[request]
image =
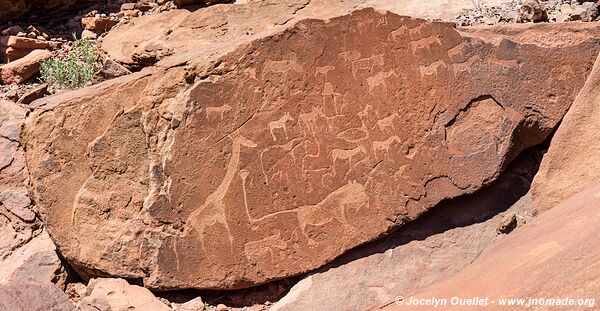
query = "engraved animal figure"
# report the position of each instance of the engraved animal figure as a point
(309, 119)
(432, 69)
(342, 154)
(220, 111)
(385, 145)
(366, 64)
(212, 212)
(378, 80)
(386, 123)
(257, 251)
(333, 208)
(282, 67)
(280, 124)
(244, 176)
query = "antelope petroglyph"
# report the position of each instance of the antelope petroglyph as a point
(343, 154)
(280, 124)
(386, 144)
(219, 111)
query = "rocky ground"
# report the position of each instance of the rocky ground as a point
(99, 191)
(522, 11)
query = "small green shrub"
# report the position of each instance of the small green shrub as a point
(75, 70)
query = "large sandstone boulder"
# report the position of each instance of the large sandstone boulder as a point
(573, 160)
(221, 27)
(278, 157)
(555, 256)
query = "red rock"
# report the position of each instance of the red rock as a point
(212, 26)
(110, 70)
(532, 11)
(17, 202)
(24, 68)
(29, 43)
(13, 54)
(12, 30)
(75, 291)
(431, 249)
(128, 6)
(117, 294)
(98, 23)
(14, 180)
(587, 12)
(37, 261)
(33, 296)
(131, 13)
(18, 47)
(180, 3)
(293, 148)
(192, 305)
(88, 34)
(142, 6)
(35, 93)
(553, 256)
(572, 162)
(148, 54)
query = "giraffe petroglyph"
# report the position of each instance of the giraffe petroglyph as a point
(212, 212)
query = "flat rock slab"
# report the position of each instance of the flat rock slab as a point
(282, 155)
(572, 162)
(33, 296)
(117, 294)
(37, 261)
(24, 68)
(553, 256)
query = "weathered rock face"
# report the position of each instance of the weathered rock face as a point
(36, 261)
(292, 149)
(219, 27)
(10, 7)
(26, 253)
(552, 256)
(18, 223)
(438, 244)
(14, 9)
(572, 162)
(23, 69)
(117, 294)
(33, 296)
(532, 10)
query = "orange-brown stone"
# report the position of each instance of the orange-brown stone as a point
(552, 259)
(276, 158)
